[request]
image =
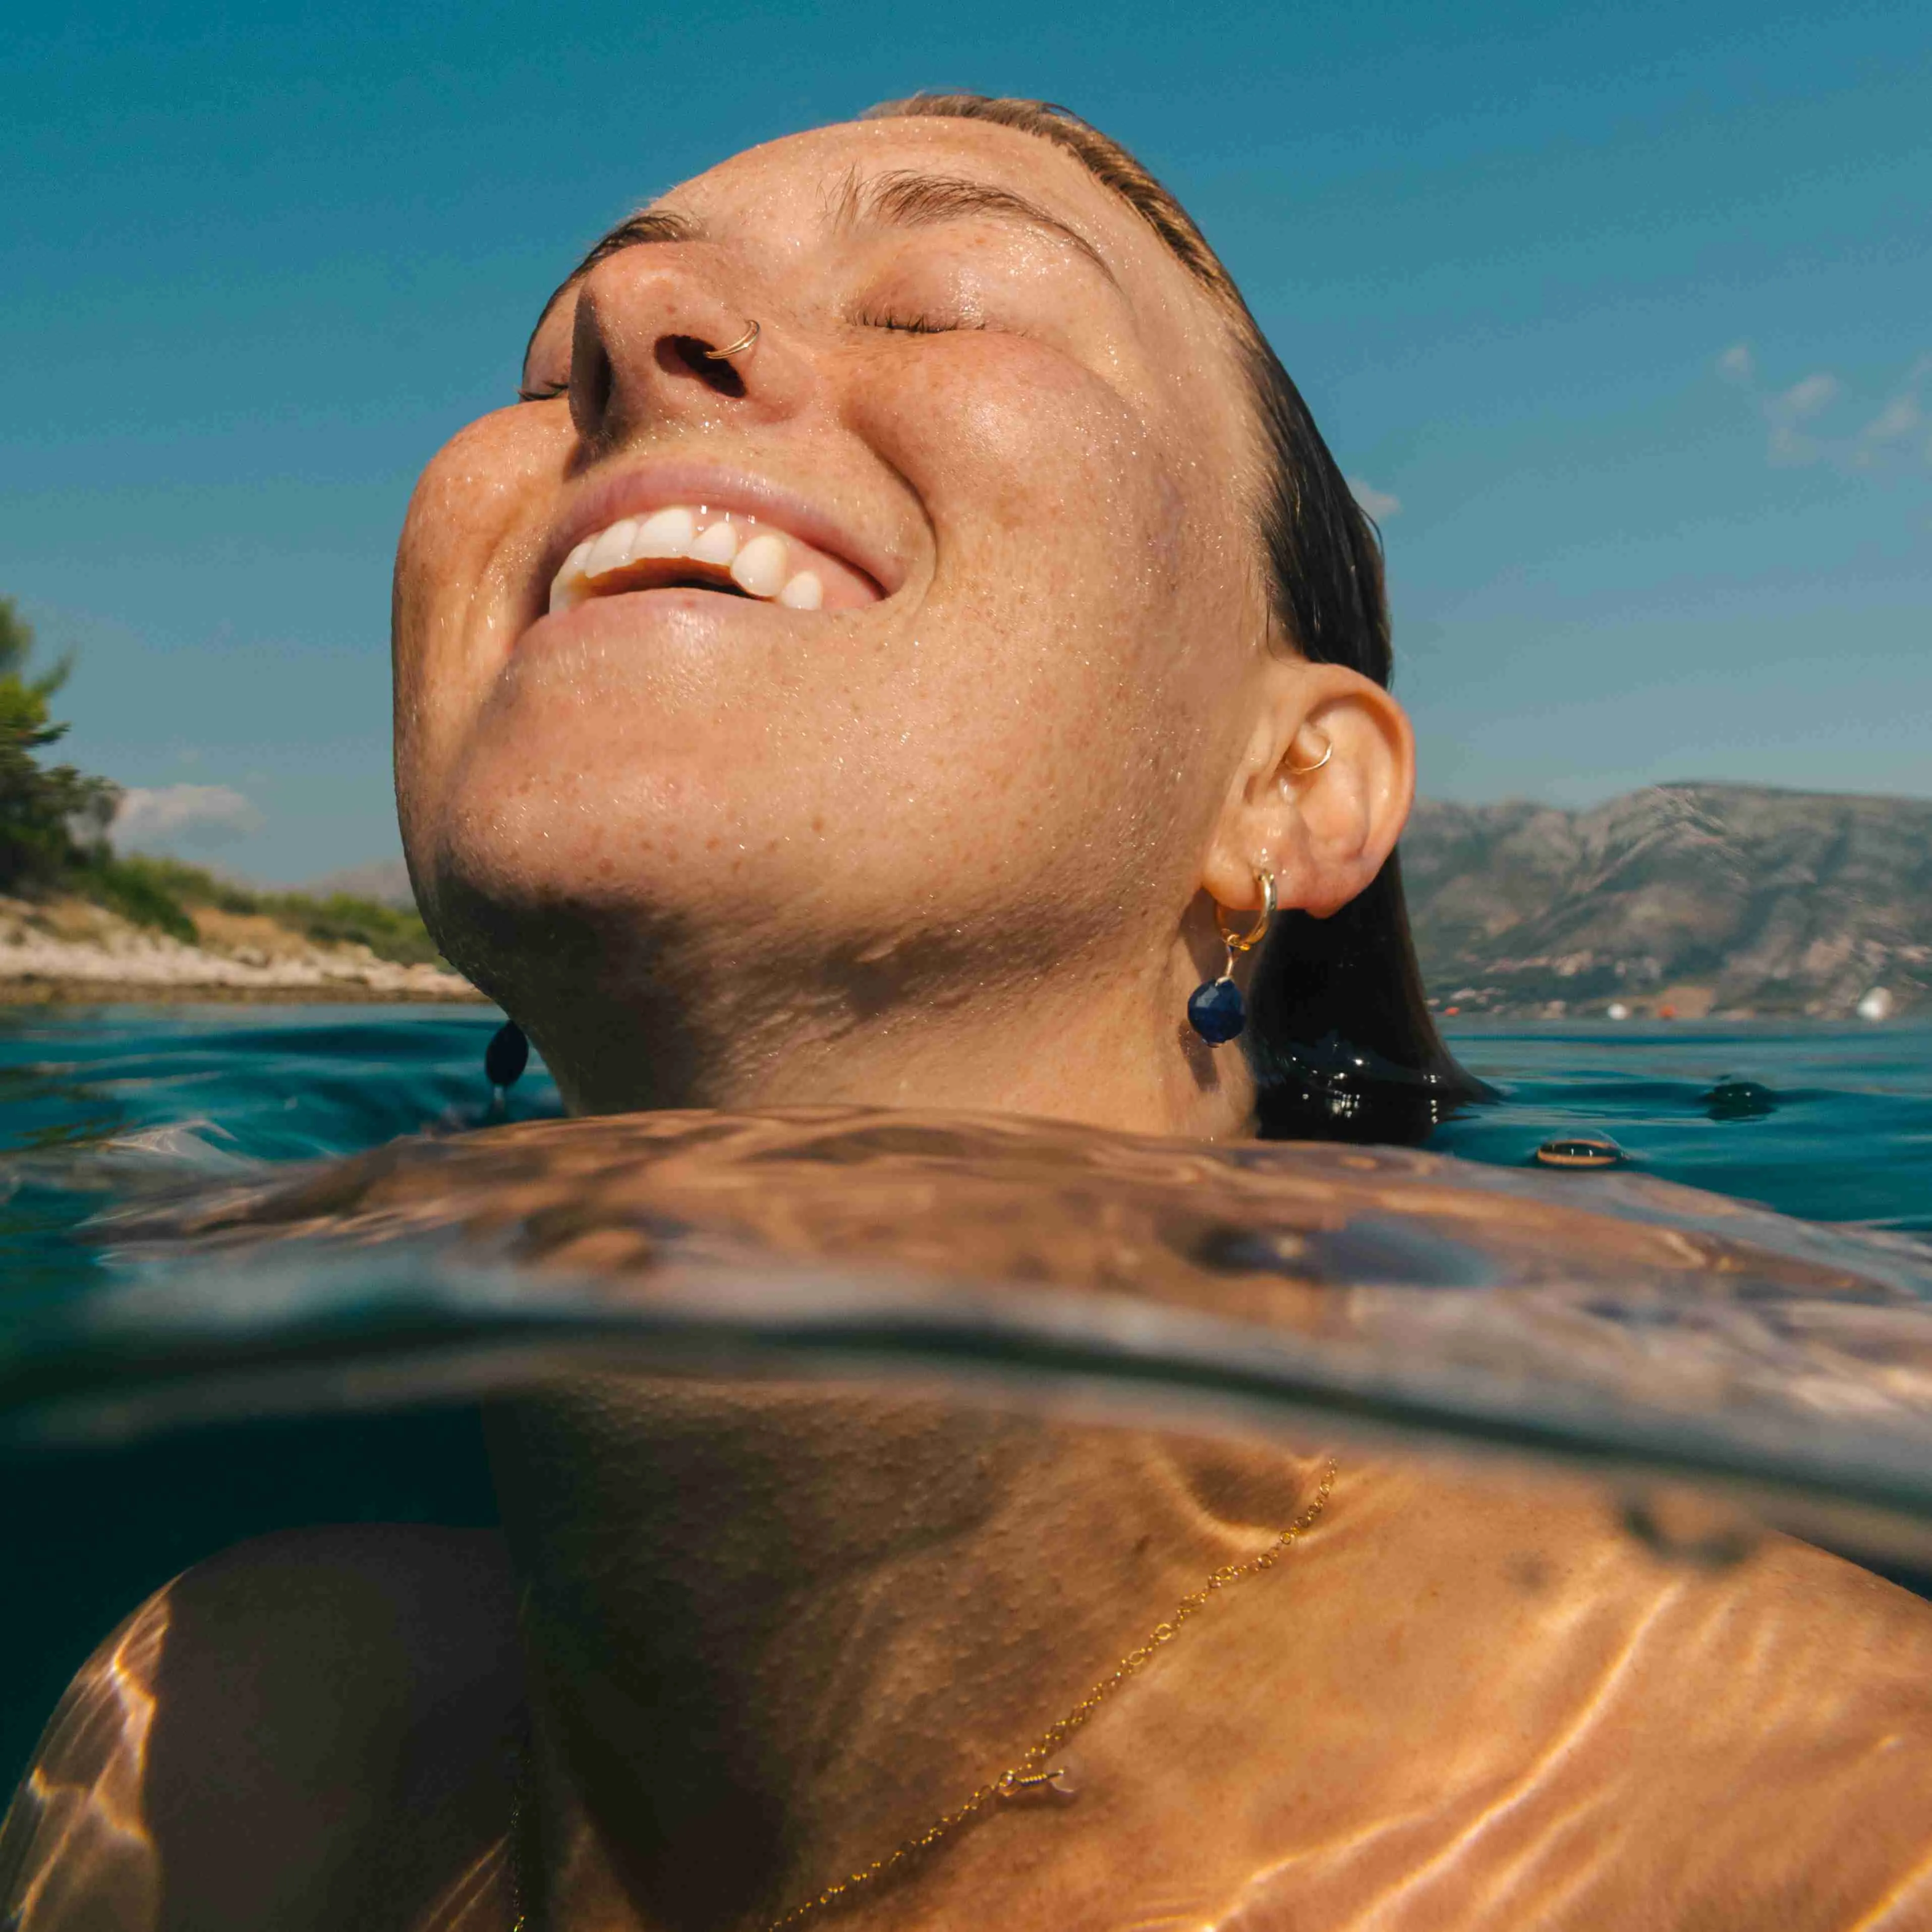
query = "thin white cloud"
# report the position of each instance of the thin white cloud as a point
(1794, 435)
(186, 815)
(1789, 444)
(1807, 396)
(1379, 503)
(1901, 418)
(1898, 419)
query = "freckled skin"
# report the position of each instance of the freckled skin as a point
(1010, 779)
(1393, 1730)
(956, 848)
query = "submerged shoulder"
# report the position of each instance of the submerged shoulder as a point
(314, 1724)
(376, 1626)
(395, 1583)
(1747, 1730)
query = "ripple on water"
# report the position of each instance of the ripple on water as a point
(1533, 1285)
(174, 1245)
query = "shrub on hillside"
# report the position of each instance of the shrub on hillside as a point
(131, 887)
(53, 836)
(166, 892)
(390, 932)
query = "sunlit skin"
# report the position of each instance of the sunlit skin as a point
(1455, 1708)
(962, 843)
(958, 847)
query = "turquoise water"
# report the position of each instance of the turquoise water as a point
(96, 1103)
(1841, 1132)
(1844, 1132)
(102, 1107)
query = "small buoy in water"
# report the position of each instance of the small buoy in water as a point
(1739, 1100)
(1616, 1010)
(1580, 1150)
(1876, 1005)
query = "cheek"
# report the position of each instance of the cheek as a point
(1070, 621)
(470, 530)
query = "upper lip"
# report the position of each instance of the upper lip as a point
(653, 486)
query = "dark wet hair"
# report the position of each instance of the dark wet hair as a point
(1339, 1034)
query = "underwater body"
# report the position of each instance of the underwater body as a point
(262, 1263)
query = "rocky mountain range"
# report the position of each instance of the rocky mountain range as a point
(1704, 899)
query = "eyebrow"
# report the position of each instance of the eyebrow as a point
(904, 198)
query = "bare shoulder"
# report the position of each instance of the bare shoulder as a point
(311, 1729)
(1547, 1721)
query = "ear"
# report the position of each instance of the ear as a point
(1323, 826)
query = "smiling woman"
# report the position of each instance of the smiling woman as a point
(909, 647)
(1048, 624)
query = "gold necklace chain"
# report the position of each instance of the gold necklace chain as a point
(1031, 1773)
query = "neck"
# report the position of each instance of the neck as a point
(776, 1632)
(1086, 1038)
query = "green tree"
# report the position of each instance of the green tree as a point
(52, 818)
(53, 834)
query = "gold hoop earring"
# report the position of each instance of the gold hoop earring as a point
(1308, 771)
(746, 341)
(1216, 1009)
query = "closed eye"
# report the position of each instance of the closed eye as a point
(913, 325)
(901, 325)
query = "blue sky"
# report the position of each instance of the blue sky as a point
(1627, 309)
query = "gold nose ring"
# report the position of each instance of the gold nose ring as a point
(738, 348)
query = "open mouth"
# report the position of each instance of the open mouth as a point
(685, 547)
(665, 574)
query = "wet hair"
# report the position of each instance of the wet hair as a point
(1339, 1036)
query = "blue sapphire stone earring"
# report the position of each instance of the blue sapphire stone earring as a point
(1216, 1009)
(506, 1056)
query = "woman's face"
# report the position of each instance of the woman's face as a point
(986, 476)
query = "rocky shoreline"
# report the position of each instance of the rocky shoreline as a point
(68, 952)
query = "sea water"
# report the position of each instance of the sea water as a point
(115, 1341)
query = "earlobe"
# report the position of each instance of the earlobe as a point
(1216, 1010)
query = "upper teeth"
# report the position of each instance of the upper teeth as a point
(759, 562)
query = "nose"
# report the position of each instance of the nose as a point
(651, 322)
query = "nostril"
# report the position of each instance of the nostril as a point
(686, 355)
